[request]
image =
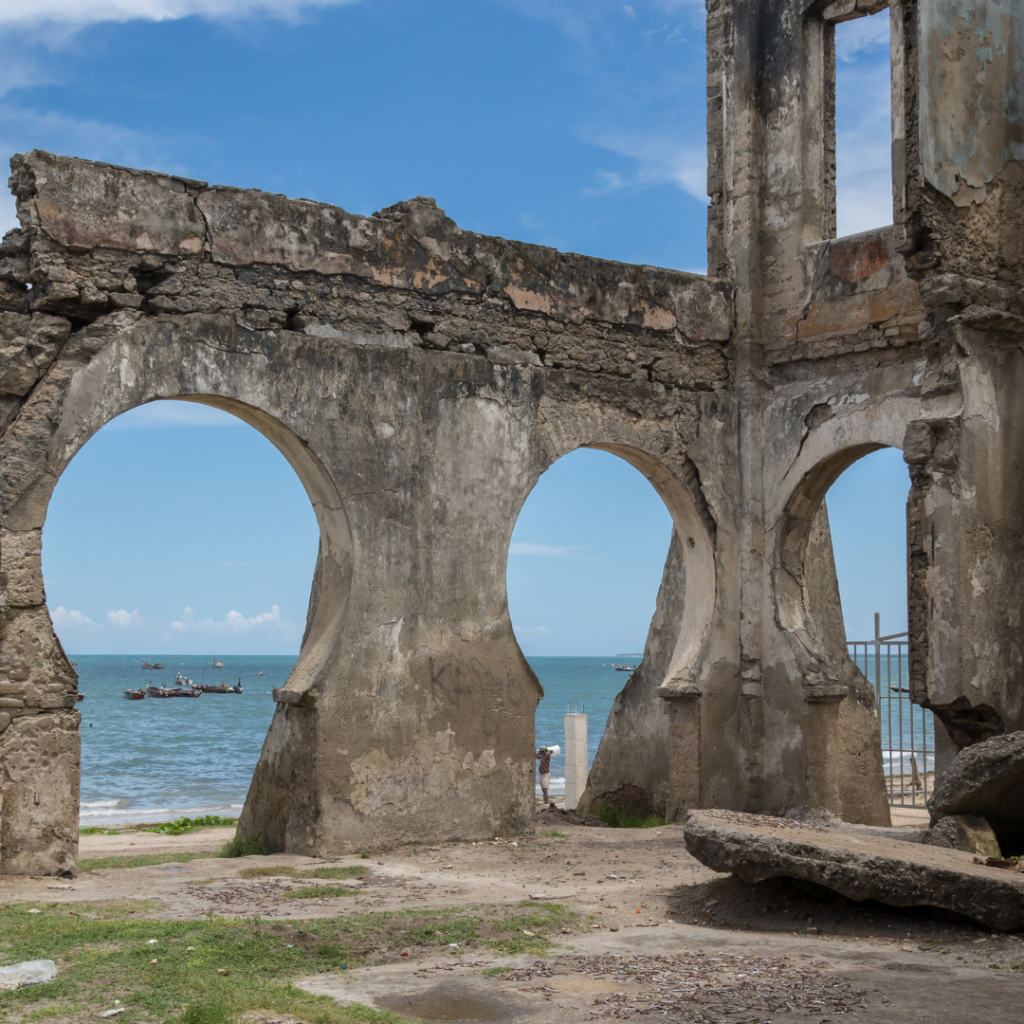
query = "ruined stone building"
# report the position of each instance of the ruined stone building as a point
(419, 378)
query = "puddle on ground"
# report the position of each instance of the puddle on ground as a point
(439, 1005)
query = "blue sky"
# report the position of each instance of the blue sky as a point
(572, 123)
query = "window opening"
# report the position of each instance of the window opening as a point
(863, 124)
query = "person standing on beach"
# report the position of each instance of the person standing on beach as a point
(544, 770)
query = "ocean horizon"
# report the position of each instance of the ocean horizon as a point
(154, 760)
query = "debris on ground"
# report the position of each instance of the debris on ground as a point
(697, 987)
(29, 972)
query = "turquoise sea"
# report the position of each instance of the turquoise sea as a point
(150, 760)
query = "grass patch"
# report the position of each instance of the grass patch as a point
(553, 833)
(94, 830)
(181, 826)
(102, 954)
(349, 871)
(245, 846)
(320, 892)
(626, 817)
(139, 860)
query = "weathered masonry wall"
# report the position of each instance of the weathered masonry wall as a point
(419, 378)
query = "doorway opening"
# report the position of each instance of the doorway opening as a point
(584, 570)
(181, 537)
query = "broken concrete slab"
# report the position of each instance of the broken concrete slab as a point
(967, 832)
(987, 779)
(861, 867)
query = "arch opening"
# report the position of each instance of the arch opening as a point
(185, 533)
(611, 564)
(841, 589)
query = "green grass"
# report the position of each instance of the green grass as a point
(139, 860)
(624, 817)
(553, 833)
(180, 826)
(245, 846)
(102, 954)
(92, 830)
(266, 871)
(320, 892)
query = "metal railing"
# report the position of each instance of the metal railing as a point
(908, 731)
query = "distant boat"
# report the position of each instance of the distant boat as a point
(135, 694)
(222, 688)
(156, 664)
(216, 663)
(78, 697)
(158, 691)
(624, 668)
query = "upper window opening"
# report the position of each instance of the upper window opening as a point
(863, 124)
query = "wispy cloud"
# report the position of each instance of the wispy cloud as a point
(525, 547)
(661, 159)
(863, 35)
(69, 618)
(78, 13)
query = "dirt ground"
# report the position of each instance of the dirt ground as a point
(657, 925)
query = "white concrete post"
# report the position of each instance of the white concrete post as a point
(575, 759)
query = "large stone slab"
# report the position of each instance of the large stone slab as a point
(987, 779)
(857, 865)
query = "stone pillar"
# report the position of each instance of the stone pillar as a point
(684, 752)
(575, 759)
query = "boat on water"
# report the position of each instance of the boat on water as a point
(625, 668)
(173, 691)
(134, 694)
(79, 697)
(180, 680)
(158, 691)
(156, 664)
(216, 663)
(223, 688)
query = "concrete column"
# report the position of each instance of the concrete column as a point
(575, 759)
(684, 753)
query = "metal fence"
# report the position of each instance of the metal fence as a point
(908, 731)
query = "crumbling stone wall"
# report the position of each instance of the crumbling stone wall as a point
(419, 378)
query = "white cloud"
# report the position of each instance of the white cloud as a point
(65, 618)
(186, 610)
(661, 160)
(236, 624)
(525, 547)
(78, 13)
(124, 619)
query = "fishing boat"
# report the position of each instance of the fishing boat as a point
(181, 680)
(156, 664)
(624, 668)
(134, 694)
(222, 688)
(216, 663)
(79, 697)
(158, 691)
(182, 691)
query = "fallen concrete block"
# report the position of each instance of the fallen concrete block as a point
(861, 867)
(987, 779)
(967, 832)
